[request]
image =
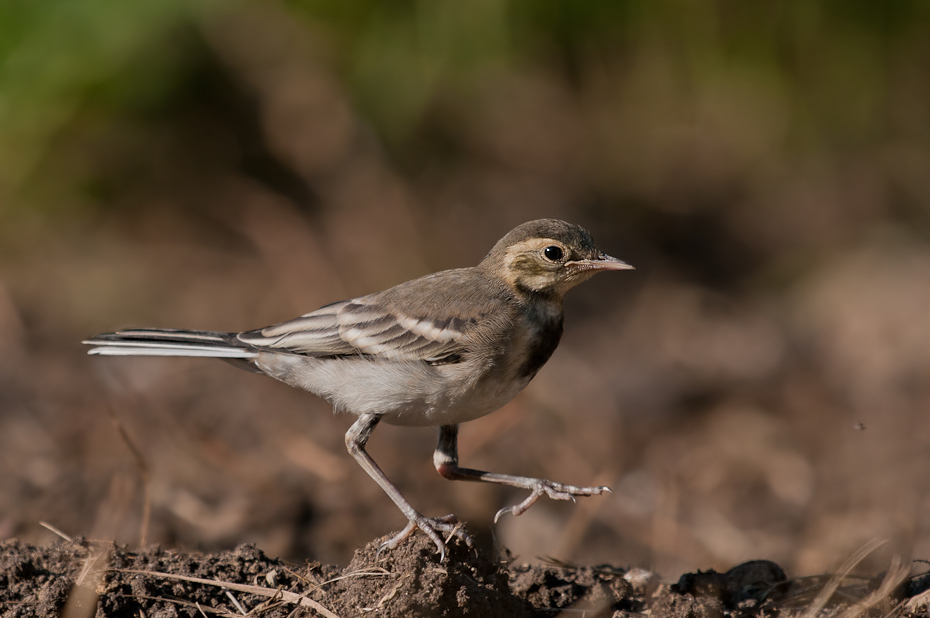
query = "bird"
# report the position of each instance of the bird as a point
(439, 350)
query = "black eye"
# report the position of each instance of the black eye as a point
(553, 253)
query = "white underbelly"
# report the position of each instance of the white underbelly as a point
(402, 393)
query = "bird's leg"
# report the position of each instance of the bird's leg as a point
(446, 460)
(356, 439)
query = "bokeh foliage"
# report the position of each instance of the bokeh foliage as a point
(825, 76)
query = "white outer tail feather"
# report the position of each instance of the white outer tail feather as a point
(135, 350)
(162, 348)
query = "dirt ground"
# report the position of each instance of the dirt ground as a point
(81, 579)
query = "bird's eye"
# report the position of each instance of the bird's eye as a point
(553, 253)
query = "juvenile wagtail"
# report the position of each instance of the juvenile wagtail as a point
(439, 350)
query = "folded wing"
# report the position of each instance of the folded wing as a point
(367, 328)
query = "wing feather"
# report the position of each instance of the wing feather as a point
(360, 327)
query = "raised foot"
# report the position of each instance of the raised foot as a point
(439, 529)
(556, 491)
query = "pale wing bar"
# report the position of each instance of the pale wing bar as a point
(355, 327)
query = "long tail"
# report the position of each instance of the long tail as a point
(167, 342)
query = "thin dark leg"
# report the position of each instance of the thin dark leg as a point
(446, 460)
(356, 439)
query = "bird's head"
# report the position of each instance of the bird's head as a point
(548, 256)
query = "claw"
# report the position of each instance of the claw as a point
(431, 526)
(397, 539)
(503, 511)
(556, 491)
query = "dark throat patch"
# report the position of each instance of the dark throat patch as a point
(547, 331)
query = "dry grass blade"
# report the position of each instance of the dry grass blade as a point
(387, 597)
(82, 602)
(203, 610)
(235, 602)
(55, 530)
(284, 595)
(896, 574)
(833, 584)
(379, 573)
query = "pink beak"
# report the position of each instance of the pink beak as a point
(602, 262)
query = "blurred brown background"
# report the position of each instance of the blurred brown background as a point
(758, 388)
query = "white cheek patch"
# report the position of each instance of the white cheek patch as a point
(521, 248)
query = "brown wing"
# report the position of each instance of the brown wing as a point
(360, 327)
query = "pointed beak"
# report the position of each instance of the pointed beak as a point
(601, 262)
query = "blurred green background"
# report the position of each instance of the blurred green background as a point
(758, 388)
